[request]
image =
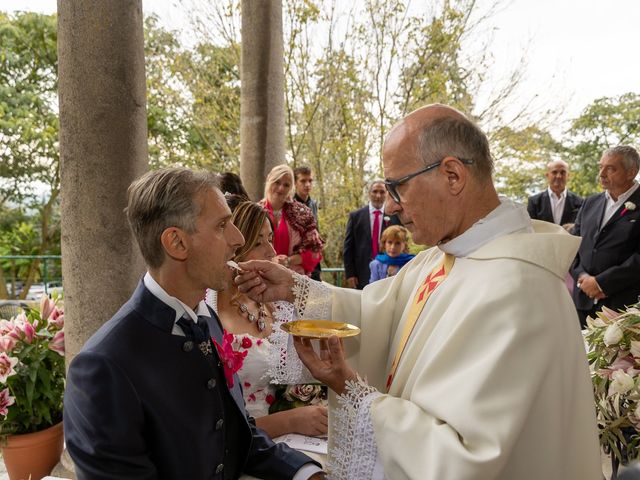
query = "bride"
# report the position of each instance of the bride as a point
(256, 330)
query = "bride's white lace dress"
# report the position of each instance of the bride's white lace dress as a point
(268, 362)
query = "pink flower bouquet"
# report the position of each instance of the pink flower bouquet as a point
(32, 369)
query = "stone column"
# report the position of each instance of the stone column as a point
(261, 93)
(103, 147)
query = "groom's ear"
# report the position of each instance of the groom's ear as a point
(174, 242)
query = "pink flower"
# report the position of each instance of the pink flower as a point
(23, 330)
(6, 401)
(6, 366)
(46, 307)
(246, 342)
(57, 343)
(259, 342)
(57, 321)
(6, 326)
(231, 360)
(7, 343)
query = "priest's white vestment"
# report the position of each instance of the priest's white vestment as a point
(493, 382)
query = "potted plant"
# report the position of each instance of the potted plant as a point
(613, 344)
(32, 375)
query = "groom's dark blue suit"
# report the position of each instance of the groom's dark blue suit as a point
(143, 403)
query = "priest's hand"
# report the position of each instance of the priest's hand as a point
(330, 367)
(265, 281)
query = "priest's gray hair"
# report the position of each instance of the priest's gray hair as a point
(456, 137)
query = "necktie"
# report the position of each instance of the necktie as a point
(375, 233)
(199, 332)
(423, 293)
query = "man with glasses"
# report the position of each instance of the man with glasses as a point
(470, 363)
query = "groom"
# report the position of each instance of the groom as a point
(147, 398)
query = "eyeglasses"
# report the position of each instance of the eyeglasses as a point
(392, 185)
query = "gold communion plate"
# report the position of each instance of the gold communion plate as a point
(320, 329)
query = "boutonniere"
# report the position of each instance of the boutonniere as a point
(386, 218)
(628, 207)
(231, 359)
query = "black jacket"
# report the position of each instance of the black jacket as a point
(539, 207)
(356, 253)
(612, 254)
(142, 403)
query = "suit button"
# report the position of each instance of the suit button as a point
(187, 346)
(211, 383)
(219, 424)
(219, 468)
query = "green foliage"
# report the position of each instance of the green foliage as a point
(193, 101)
(520, 159)
(607, 122)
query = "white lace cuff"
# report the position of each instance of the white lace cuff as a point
(312, 299)
(355, 454)
(285, 367)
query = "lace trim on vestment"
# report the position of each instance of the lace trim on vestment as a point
(285, 367)
(355, 454)
(311, 299)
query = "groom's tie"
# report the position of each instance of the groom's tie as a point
(425, 290)
(199, 332)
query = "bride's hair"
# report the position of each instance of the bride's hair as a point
(248, 217)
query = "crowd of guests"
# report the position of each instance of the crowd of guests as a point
(433, 392)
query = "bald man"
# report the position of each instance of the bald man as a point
(470, 361)
(556, 204)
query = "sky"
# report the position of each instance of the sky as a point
(576, 50)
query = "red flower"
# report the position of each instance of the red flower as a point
(247, 384)
(269, 399)
(259, 342)
(231, 360)
(246, 342)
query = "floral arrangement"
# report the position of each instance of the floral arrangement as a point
(293, 396)
(32, 369)
(613, 342)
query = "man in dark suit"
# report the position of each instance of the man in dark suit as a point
(556, 204)
(607, 266)
(147, 396)
(303, 182)
(360, 241)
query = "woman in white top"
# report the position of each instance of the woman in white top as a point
(255, 328)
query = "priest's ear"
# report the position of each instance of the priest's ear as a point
(456, 174)
(175, 243)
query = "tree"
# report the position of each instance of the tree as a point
(607, 122)
(29, 155)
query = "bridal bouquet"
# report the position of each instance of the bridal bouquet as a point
(613, 342)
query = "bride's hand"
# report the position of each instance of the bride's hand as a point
(311, 420)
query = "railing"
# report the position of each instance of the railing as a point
(47, 276)
(335, 276)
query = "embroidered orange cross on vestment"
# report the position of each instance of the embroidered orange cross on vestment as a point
(435, 278)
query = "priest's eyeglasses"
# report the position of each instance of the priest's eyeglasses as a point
(392, 185)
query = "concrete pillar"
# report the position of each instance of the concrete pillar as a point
(261, 93)
(103, 147)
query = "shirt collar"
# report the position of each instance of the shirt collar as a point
(180, 308)
(508, 217)
(298, 198)
(622, 197)
(552, 194)
(373, 209)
